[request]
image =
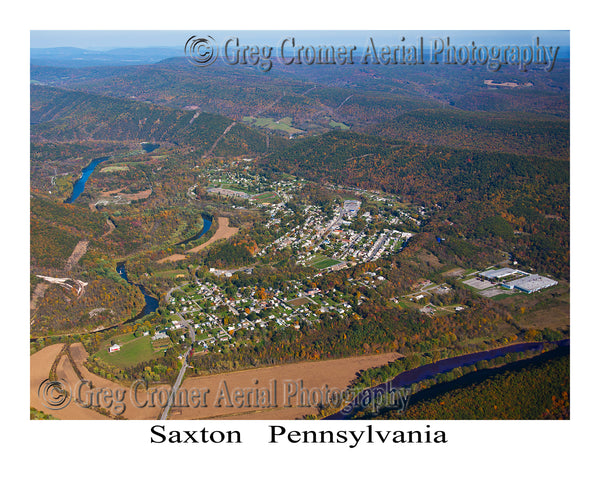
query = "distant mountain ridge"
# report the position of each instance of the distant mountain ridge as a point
(79, 57)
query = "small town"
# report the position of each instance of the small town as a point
(212, 314)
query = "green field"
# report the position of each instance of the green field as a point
(171, 273)
(297, 302)
(406, 305)
(267, 197)
(115, 168)
(285, 124)
(321, 261)
(326, 263)
(469, 271)
(133, 351)
(340, 125)
(229, 186)
(507, 294)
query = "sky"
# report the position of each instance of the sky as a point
(107, 39)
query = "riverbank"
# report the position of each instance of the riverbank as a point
(430, 370)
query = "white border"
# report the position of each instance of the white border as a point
(476, 449)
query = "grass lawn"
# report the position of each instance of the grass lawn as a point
(234, 187)
(505, 295)
(296, 302)
(348, 196)
(469, 271)
(133, 351)
(171, 273)
(284, 124)
(326, 263)
(406, 305)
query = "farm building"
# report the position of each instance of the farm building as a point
(114, 348)
(531, 283)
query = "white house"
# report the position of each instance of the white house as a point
(114, 348)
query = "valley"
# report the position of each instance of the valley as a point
(290, 220)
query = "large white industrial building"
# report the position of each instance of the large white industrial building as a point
(531, 283)
(526, 282)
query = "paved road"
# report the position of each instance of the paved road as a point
(181, 374)
(168, 294)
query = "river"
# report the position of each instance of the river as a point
(151, 302)
(79, 185)
(205, 227)
(423, 372)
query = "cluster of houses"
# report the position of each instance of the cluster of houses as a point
(242, 184)
(220, 315)
(334, 238)
(217, 315)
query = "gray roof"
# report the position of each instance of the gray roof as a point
(502, 272)
(531, 283)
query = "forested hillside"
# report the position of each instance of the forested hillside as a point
(535, 392)
(357, 95)
(447, 173)
(481, 195)
(76, 116)
(503, 132)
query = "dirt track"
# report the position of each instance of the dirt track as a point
(173, 258)
(111, 228)
(78, 252)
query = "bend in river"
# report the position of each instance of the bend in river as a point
(205, 227)
(151, 302)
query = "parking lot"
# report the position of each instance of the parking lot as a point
(478, 283)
